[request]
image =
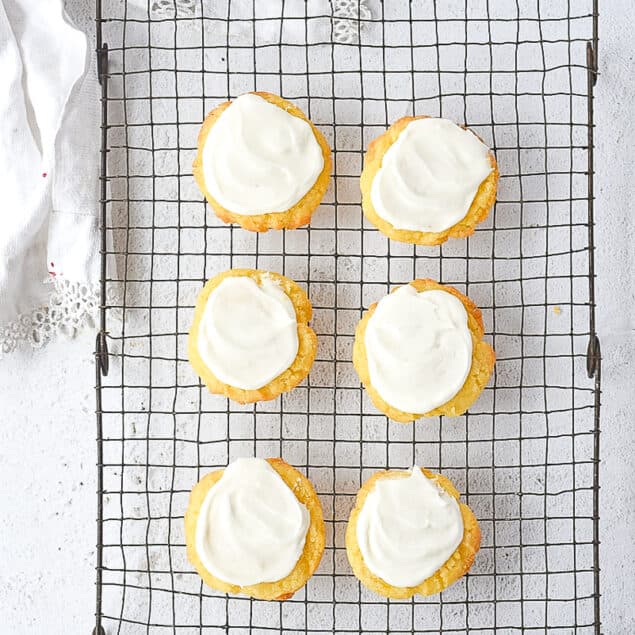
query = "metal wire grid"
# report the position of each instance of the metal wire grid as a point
(525, 457)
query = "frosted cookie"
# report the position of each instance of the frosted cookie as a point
(255, 528)
(419, 352)
(250, 338)
(261, 163)
(426, 180)
(409, 534)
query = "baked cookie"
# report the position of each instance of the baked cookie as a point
(261, 163)
(419, 352)
(409, 534)
(255, 528)
(427, 179)
(250, 338)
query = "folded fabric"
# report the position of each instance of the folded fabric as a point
(49, 123)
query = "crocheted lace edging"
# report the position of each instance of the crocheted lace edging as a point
(72, 306)
(346, 15)
(169, 8)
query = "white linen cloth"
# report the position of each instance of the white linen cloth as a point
(49, 152)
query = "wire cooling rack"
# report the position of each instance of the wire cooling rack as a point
(525, 457)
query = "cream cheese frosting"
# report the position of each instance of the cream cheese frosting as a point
(419, 348)
(248, 334)
(258, 158)
(429, 176)
(408, 528)
(251, 527)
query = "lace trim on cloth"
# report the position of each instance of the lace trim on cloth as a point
(72, 306)
(170, 8)
(346, 17)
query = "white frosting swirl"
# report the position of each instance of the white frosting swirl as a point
(258, 158)
(251, 527)
(419, 348)
(408, 528)
(429, 176)
(248, 334)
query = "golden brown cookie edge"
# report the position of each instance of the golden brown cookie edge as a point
(308, 561)
(454, 568)
(296, 216)
(288, 379)
(479, 210)
(483, 359)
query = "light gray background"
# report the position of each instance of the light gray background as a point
(47, 426)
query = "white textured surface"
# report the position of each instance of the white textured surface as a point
(47, 472)
(47, 449)
(615, 239)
